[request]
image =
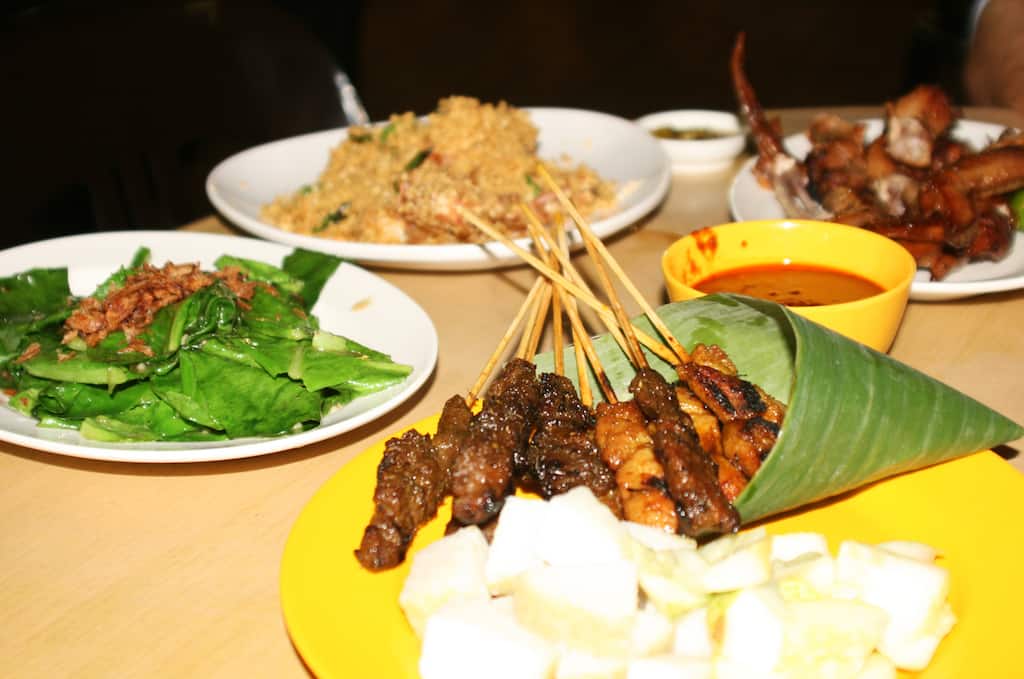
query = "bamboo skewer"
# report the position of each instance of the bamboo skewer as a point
(582, 378)
(655, 346)
(582, 339)
(557, 336)
(542, 238)
(531, 340)
(536, 231)
(504, 342)
(637, 355)
(540, 266)
(584, 228)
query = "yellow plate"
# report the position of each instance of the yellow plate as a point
(345, 621)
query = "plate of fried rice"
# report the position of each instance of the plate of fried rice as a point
(389, 194)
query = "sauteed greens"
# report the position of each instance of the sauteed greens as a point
(212, 365)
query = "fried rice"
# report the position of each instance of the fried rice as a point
(403, 181)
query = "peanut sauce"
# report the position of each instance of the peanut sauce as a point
(792, 284)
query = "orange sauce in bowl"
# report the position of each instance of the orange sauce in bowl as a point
(792, 284)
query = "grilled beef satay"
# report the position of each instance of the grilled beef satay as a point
(563, 453)
(627, 448)
(482, 473)
(410, 486)
(413, 478)
(452, 428)
(690, 474)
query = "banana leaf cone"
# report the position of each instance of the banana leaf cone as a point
(854, 415)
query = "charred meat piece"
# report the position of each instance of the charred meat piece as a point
(413, 479)
(747, 442)
(727, 396)
(693, 482)
(627, 448)
(731, 480)
(750, 418)
(410, 486)
(690, 474)
(482, 473)
(563, 453)
(452, 428)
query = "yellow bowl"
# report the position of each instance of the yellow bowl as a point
(872, 320)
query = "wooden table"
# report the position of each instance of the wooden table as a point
(112, 569)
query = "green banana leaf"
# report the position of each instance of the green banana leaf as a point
(854, 415)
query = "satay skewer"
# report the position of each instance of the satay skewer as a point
(503, 343)
(605, 255)
(606, 315)
(582, 339)
(536, 229)
(530, 339)
(582, 378)
(575, 289)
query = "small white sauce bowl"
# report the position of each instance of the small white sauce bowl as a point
(698, 155)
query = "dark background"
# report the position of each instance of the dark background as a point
(115, 113)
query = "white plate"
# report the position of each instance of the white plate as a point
(354, 303)
(748, 200)
(615, 148)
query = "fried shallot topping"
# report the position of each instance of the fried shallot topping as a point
(132, 306)
(31, 351)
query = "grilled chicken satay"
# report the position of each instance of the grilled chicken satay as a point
(627, 448)
(691, 475)
(750, 418)
(563, 453)
(482, 473)
(731, 480)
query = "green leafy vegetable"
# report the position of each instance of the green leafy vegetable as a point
(418, 159)
(207, 367)
(386, 132)
(333, 217)
(313, 269)
(534, 186)
(1017, 206)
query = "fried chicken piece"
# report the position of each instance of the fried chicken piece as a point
(691, 476)
(482, 473)
(627, 448)
(410, 487)
(563, 453)
(915, 121)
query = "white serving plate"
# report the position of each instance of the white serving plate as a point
(748, 200)
(354, 303)
(615, 148)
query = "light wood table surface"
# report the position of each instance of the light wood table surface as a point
(127, 570)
